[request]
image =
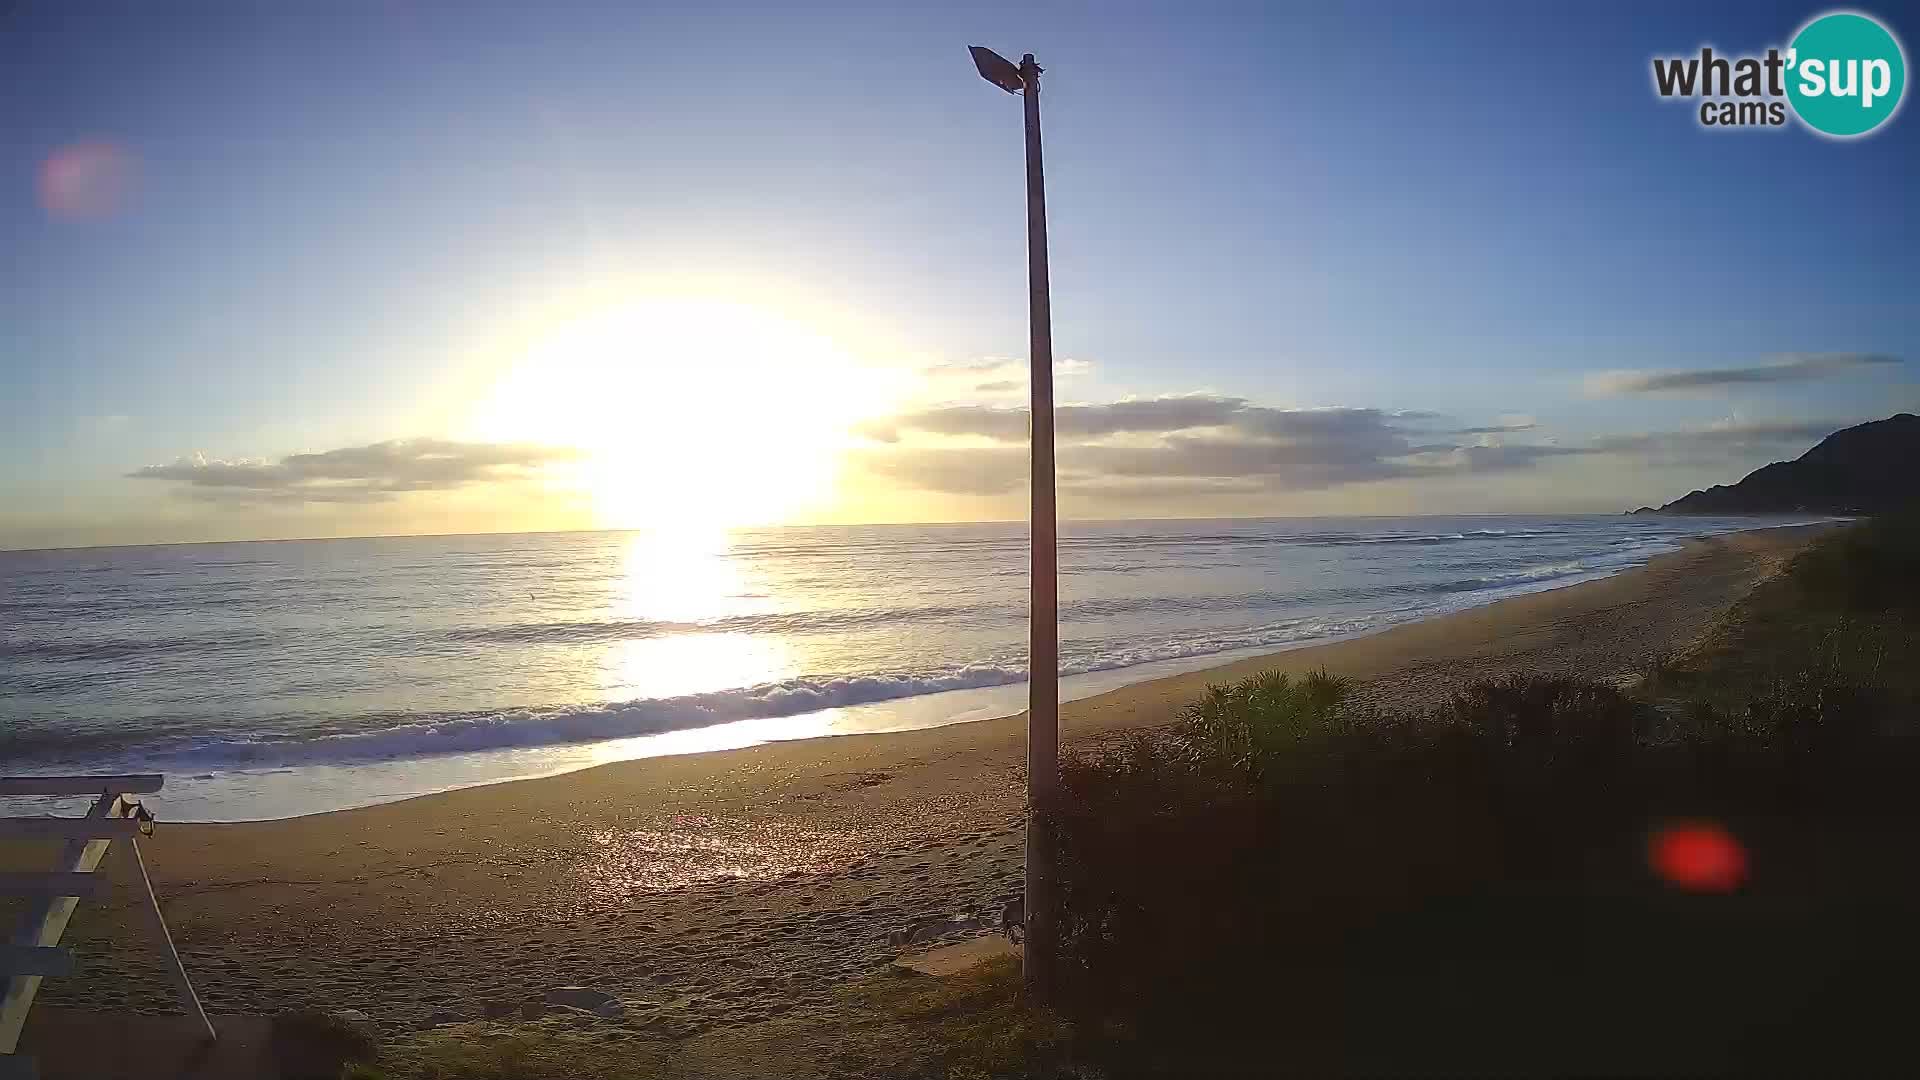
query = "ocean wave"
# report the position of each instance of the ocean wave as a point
(1296, 598)
(1369, 541)
(121, 648)
(828, 621)
(1301, 539)
(522, 728)
(1516, 534)
(592, 631)
(1549, 572)
(424, 736)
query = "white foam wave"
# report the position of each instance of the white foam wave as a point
(529, 728)
(1531, 573)
(519, 728)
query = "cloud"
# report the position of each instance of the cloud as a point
(1789, 368)
(1003, 367)
(993, 376)
(985, 421)
(1011, 424)
(1159, 415)
(1186, 444)
(1498, 457)
(1101, 487)
(371, 473)
(1289, 466)
(979, 470)
(1507, 425)
(1201, 444)
(1722, 438)
(991, 385)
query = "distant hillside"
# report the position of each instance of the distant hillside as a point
(1868, 469)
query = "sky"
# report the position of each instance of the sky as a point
(370, 268)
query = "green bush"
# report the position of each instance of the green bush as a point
(1261, 725)
(1253, 834)
(1271, 829)
(1870, 567)
(1550, 723)
(313, 1045)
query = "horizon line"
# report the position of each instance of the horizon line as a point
(815, 525)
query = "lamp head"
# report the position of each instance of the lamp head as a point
(997, 69)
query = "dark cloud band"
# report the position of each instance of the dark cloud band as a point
(370, 473)
(1791, 368)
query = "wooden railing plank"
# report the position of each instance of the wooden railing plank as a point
(70, 828)
(35, 953)
(42, 960)
(119, 784)
(46, 919)
(51, 883)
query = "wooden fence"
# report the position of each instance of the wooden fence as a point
(34, 953)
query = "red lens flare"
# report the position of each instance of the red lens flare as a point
(85, 180)
(1698, 857)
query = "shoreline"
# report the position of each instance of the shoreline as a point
(727, 886)
(293, 790)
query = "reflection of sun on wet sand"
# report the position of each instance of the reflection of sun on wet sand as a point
(691, 850)
(722, 887)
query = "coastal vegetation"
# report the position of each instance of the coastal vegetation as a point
(1491, 885)
(1702, 867)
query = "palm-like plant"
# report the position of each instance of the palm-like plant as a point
(1250, 726)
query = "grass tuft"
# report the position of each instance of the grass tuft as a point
(313, 1045)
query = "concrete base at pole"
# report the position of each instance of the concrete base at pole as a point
(954, 959)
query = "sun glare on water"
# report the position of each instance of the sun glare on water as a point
(691, 413)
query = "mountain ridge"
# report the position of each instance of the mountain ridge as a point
(1869, 468)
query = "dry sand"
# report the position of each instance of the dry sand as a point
(727, 887)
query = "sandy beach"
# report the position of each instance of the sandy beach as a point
(727, 887)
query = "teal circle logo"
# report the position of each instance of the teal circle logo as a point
(1845, 74)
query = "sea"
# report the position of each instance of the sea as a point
(274, 679)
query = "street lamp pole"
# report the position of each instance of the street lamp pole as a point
(1043, 665)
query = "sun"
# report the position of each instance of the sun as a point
(692, 412)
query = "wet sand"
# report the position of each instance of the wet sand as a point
(732, 886)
